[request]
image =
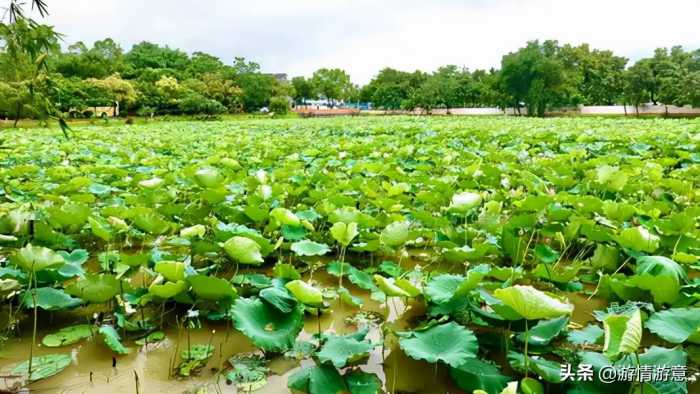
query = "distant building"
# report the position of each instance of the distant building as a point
(282, 77)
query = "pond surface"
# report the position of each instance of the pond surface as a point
(92, 370)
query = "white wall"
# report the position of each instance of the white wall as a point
(645, 109)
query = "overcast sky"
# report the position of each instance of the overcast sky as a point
(299, 36)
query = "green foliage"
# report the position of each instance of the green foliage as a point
(43, 366)
(537, 76)
(560, 216)
(113, 340)
(267, 327)
(623, 333)
(279, 105)
(475, 374)
(67, 335)
(333, 84)
(450, 343)
(532, 304)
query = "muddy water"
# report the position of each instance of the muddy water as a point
(92, 370)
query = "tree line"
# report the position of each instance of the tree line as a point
(546, 75)
(40, 79)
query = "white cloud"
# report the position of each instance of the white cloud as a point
(363, 36)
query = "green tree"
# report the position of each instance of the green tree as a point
(332, 83)
(147, 55)
(279, 105)
(116, 89)
(599, 74)
(391, 89)
(303, 89)
(25, 46)
(536, 76)
(103, 59)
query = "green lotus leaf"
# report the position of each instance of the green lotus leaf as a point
(589, 335)
(153, 337)
(133, 260)
(360, 382)
(249, 372)
(466, 201)
(196, 231)
(69, 217)
(395, 234)
(606, 257)
(661, 276)
(43, 366)
(286, 271)
(531, 386)
(389, 287)
(408, 286)
(549, 370)
(95, 287)
(657, 357)
(101, 229)
(9, 286)
(76, 257)
(442, 288)
(611, 178)
(660, 266)
(546, 254)
(168, 289)
(638, 238)
(344, 233)
(475, 374)
(150, 221)
(208, 177)
(545, 331)
(320, 379)
(113, 340)
(198, 352)
(450, 343)
(49, 299)
(623, 333)
(285, 217)
(342, 351)
(349, 299)
(390, 268)
(293, 233)
(152, 183)
(99, 189)
(268, 328)
(278, 298)
(305, 293)
(211, 288)
(67, 335)
(244, 250)
(533, 304)
(675, 325)
(36, 258)
(194, 358)
(309, 248)
(171, 270)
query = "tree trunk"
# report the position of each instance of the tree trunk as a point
(18, 114)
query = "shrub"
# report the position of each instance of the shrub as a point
(196, 104)
(279, 105)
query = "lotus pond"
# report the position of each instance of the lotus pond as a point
(351, 255)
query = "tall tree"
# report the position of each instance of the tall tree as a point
(303, 89)
(332, 83)
(599, 74)
(536, 76)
